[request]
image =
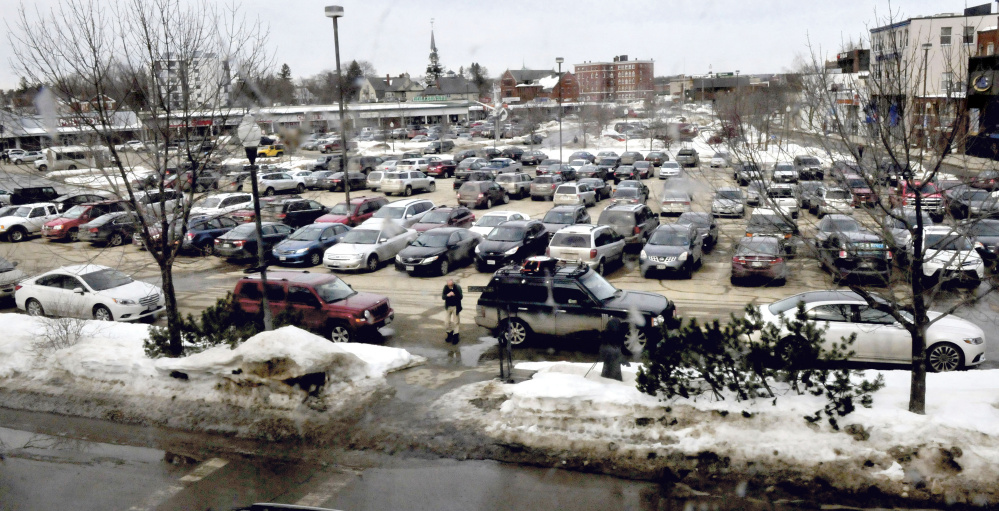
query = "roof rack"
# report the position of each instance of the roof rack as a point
(550, 265)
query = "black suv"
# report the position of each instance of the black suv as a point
(545, 297)
(293, 212)
(511, 242)
(32, 195)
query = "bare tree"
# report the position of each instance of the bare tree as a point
(176, 61)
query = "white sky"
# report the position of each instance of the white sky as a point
(760, 36)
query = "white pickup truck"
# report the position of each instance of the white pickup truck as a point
(27, 220)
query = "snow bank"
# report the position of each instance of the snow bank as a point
(950, 454)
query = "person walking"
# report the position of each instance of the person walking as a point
(452, 307)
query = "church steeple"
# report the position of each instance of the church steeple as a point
(434, 68)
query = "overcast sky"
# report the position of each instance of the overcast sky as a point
(758, 36)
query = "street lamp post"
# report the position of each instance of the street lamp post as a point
(249, 134)
(926, 53)
(335, 12)
(559, 61)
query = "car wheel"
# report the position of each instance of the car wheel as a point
(944, 357)
(601, 267)
(432, 188)
(43, 168)
(72, 167)
(18, 162)
(688, 272)
(34, 307)
(637, 339)
(102, 313)
(517, 332)
(74, 235)
(409, 191)
(116, 240)
(444, 267)
(506, 199)
(372, 263)
(339, 332)
(209, 248)
(300, 188)
(489, 202)
(17, 235)
(315, 259)
(269, 192)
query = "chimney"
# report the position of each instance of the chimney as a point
(388, 79)
(624, 58)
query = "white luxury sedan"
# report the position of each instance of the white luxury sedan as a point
(89, 291)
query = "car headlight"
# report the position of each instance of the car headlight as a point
(124, 301)
(398, 258)
(682, 257)
(974, 340)
(477, 251)
(658, 320)
(511, 251)
(643, 255)
(57, 228)
(429, 260)
(301, 251)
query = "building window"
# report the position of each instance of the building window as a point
(990, 49)
(945, 35)
(947, 82)
(969, 35)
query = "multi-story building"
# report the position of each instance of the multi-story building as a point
(618, 80)
(201, 80)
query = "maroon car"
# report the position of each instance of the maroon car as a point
(67, 225)
(325, 303)
(457, 216)
(361, 209)
(441, 168)
(862, 193)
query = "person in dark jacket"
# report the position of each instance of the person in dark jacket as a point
(611, 349)
(452, 306)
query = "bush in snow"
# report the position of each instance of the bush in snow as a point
(747, 359)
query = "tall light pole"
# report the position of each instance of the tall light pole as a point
(559, 61)
(249, 134)
(926, 70)
(336, 11)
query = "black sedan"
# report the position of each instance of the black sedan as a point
(113, 229)
(334, 182)
(591, 170)
(511, 242)
(438, 250)
(241, 242)
(705, 223)
(626, 172)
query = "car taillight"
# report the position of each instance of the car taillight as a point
(842, 254)
(17, 287)
(890, 255)
(239, 243)
(481, 195)
(282, 215)
(787, 236)
(739, 260)
(218, 241)
(593, 253)
(553, 187)
(777, 260)
(93, 229)
(189, 236)
(686, 203)
(637, 229)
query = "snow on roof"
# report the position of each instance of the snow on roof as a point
(548, 82)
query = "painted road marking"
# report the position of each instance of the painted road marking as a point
(329, 488)
(160, 496)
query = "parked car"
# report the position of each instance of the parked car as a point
(413, 164)
(438, 251)
(112, 229)
(199, 237)
(457, 216)
(719, 160)
(644, 169)
(747, 172)
(516, 184)
(784, 197)
(669, 169)
(368, 245)
(503, 165)
(270, 151)
(221, 204)
(407, 182)
(630, 157)
(657, 157)
(861, 191)
(985, 235)
(335, 181)
(630, 192)
(582, 155)
(575, 193)
(705, 224)
(561, 216)
(513, 153)
(241, 242)
(491, 219)
(592, 171)
(833, 200)
(89, 291)
(609, 164)
(523, 301)
(633, 221)
(849, 251)
(542, 168)
(308, 244)
(949, 256)
(66, 202)
(275, 182)
(809, 195)
(602, 189)
(442, 169)
(674, 202)
(760, 258)
(784, 173)
(27, 157)
(951, 342)
(26, 220)
(327, 304)
(543, 187)
(673, 248)
(439, 147)
(67, 225)
(729, 201)
(770, 223)
(510, 242)
(374, 181)
(33, 194)
(597, 246)
(293, 212)
(484, 194)
(972, 202)
(10, 277)
(533, 157)
(405, 212)
(688, 158)
(359, 210)
(931, 199)
(809, 168)
(626, 172)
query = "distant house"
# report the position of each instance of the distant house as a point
(389, 88)
(450, 88)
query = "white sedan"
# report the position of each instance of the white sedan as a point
(89, 291)
(368, 245)
(493, 218)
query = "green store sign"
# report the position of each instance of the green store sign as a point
(430, 98)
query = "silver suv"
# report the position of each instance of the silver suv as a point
(517, 184)
(406, 212)
(633, 221)
(594, 245)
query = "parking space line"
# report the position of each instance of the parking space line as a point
(162, 495)
(329, 488)
(158, 497)
(204, 470)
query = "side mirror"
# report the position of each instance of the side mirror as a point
(382, 240)
(14, 264)
(78, 290)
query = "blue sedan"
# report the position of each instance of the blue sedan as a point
(307, 244)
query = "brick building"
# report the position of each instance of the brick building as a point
(618, 80)
(523, 85)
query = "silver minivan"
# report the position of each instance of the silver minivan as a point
(595, 245)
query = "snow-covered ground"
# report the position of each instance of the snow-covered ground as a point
(951, 454)
(274, 376)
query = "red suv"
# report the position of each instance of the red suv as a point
(361, 209)
(441, 168)
(67, 225)
(327, 304)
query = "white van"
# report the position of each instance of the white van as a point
(73, 157)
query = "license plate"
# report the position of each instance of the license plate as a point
(410, 268)
(866, 264)
(227, 245)
(757, 265)
(660, 266)
(283, 258)
(490, 262)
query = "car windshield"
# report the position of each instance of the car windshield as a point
(106, 279)
(543, 180)
(495, 164)
(339, 209)
(566, 189)
(506, 234)
(809, 161)
(843, 225)
(838, 194)
(309, 233)
(334, 291)
(617, 218)
(783, 167)
(694, 219)
(432, 239)
(361, 236)
(757, 246)
(768, 222)
(780, 193)
(947, 242)
(927, 189)
(490, 221)
(393, 213)
(608, 161)
(436, 217)
(856, 182)
(976, 195)
(74, 212)
(599, 287)
(208, 202)
(730, 194)
(719, 155)
(668, 238)
(559, 217)
(562, 239)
